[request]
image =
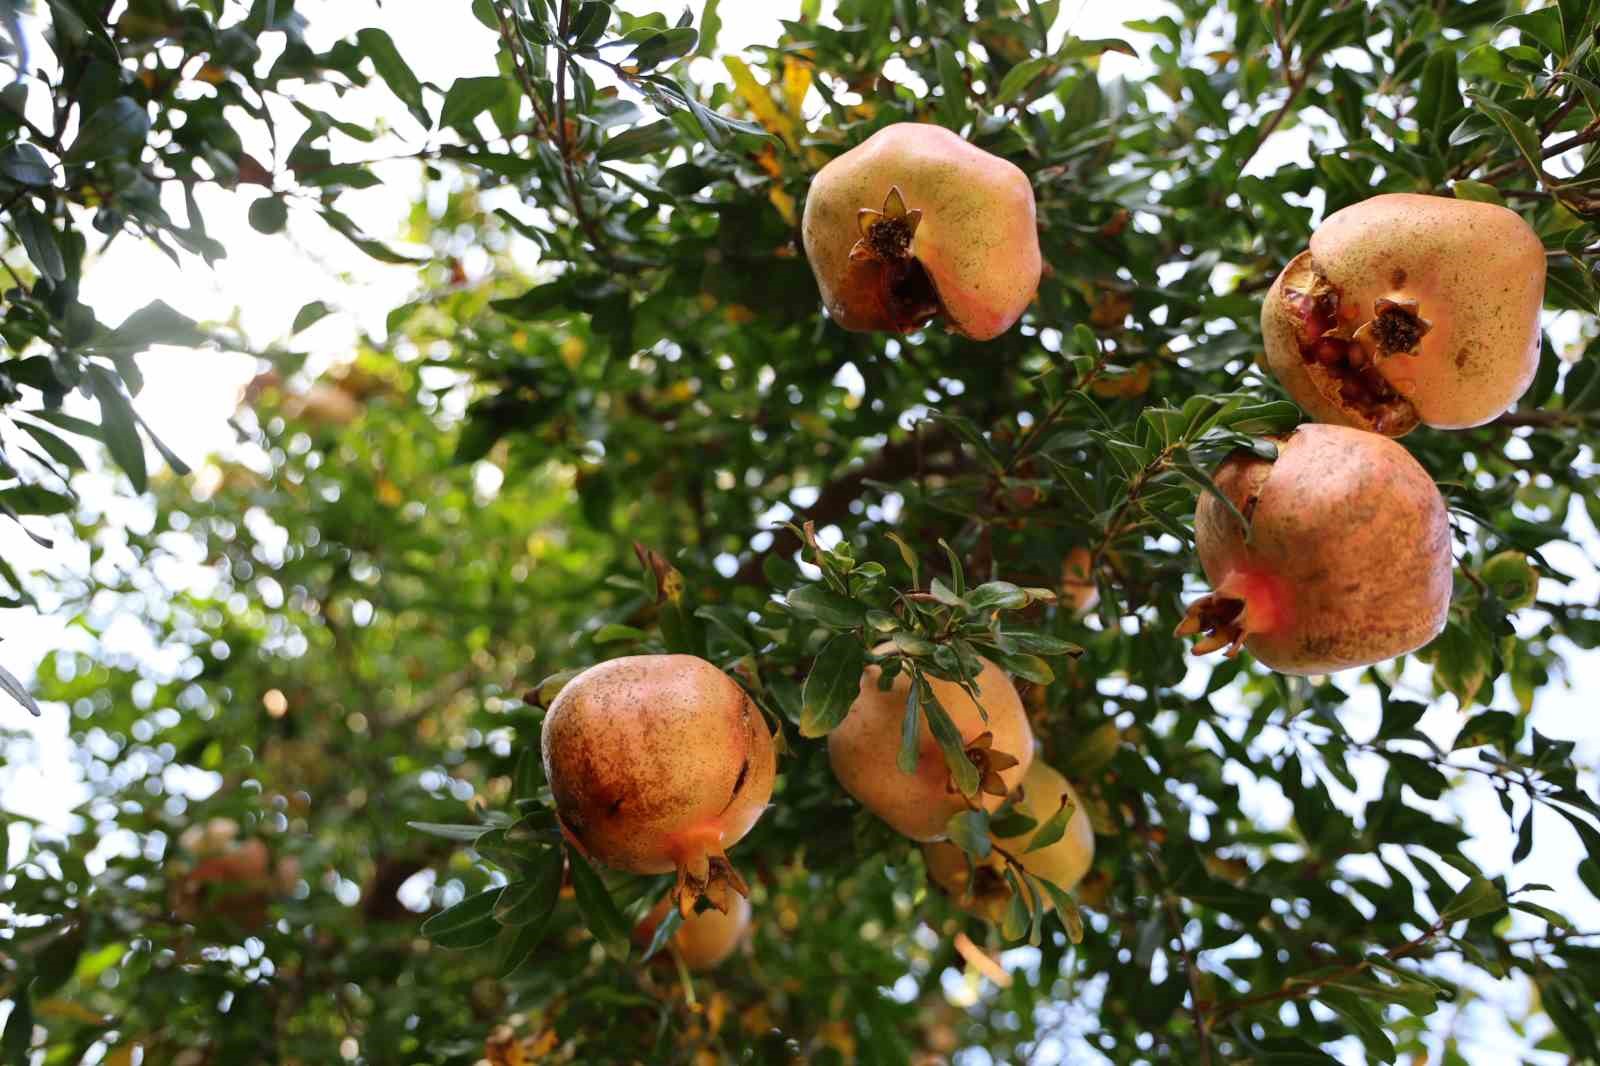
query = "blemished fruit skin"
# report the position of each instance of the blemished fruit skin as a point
(659, 763)
(863, 748)
(1348, 562)
(1463, 281)
(706, 939)
(976, 236)
(984, 891)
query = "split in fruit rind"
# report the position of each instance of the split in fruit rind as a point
(1341, 355)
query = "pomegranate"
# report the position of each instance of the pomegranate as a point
(705, 939)
(864, 746)
(982, 890)
(229, 879)
(1347, 562)
(1409, 310)
(915, 222)
(1078, 589)
(659, 763)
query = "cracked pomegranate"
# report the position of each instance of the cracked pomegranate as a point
(1347, 562)
(864, 746)
(659, 763)
(1409, 310)
(982, 889)
(914, 223)
(705, 939)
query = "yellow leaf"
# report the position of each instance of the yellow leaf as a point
(760, 102)
(796, 83)
(119, 1056)
(783, 202)
(65, 1008)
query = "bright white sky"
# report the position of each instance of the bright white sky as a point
(265, 280)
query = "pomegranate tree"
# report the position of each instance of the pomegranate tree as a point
(659, 763)
(1409, 310)
(981, 888)
(1346, 562)
(994, 731)
(914, 223)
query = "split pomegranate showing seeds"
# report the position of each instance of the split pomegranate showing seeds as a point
(915, 223)
(706, 939)
(863, 749)
(1347, 562)
(660, 763)
(981, 888)
(1409, 310)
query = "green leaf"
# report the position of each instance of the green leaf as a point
(832, 685)
(1033, 643)
(1476, 898)
(599, 911)
(1054, 827)
(1014, 925)
(468, 98)
(1019, 78)
(1364, 1019)
(18, 1036)
(969, 831)
(119, 427)
(639, 141)
(25, 165)
(269, 215)
(118, 128)
(910, 734)
(996, 596)
(1066, 909)
(818, 603)
(310, 315)
(663, 47)
(466, 925)
(374, 249)
(451, 831)
(17, 691)
(952, 101)
(664, 930)
(1478, 191)
(395, 72)
(533, 900)
(1095, 750)
(962, 772)
(40, 241)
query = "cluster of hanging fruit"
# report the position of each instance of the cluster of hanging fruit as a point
(1406, 310)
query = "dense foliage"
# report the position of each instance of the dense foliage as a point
(615, 436)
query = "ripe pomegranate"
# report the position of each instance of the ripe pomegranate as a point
(983, 890)
(1079, 592)
(915, 222)
(659, 763)
(864, 746)
(229, 880)
(1348, 559)
(705, 939)
(1409, 309)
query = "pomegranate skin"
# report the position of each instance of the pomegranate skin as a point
(863, 748)
(984, 892)
(659, 763)
(976, 242)
(706, 939)
(1349, 559)
(1468, 278)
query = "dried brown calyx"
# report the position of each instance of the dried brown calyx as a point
(1343, 356)
(905, 290)
(990, 763)
(1243, 604)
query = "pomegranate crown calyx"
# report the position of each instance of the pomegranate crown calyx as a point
(886, 234)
